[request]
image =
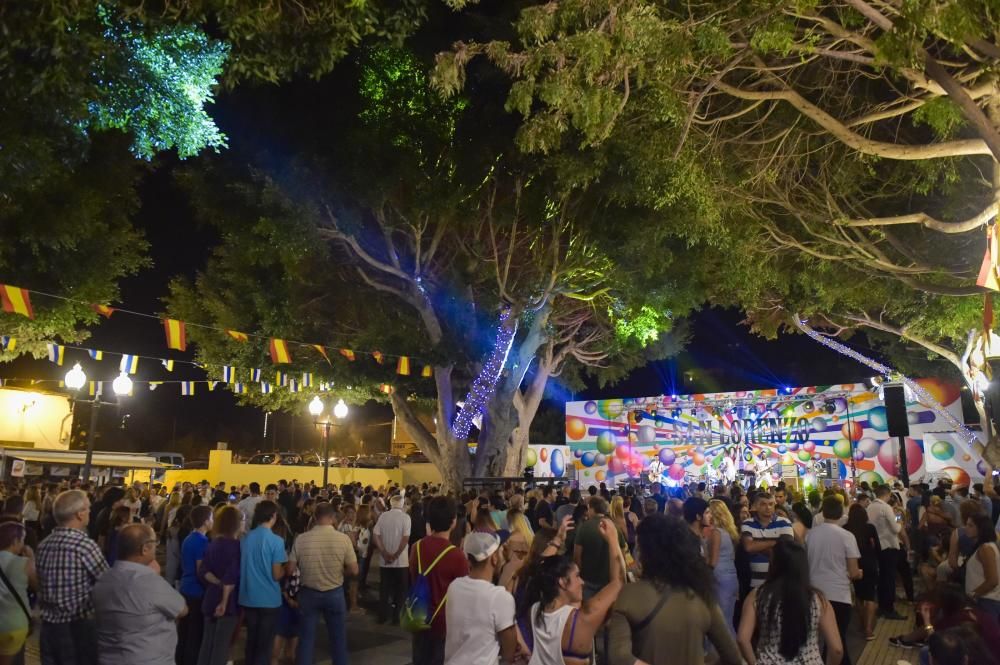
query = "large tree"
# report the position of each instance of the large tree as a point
(851, 147)
(414, 229)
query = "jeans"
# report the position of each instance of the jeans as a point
(333, 607)
(215, 640)
(887, 564)
(261, 622)
(990, 606)
(73, 643)
(189, 630)
(428, 649)
(392, 592)
(728, 587)
(842, 612)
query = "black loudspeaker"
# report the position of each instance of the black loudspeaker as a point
(895, 410)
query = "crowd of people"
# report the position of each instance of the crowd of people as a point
(546, 575)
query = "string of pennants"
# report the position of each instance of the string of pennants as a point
(17, 300)
(96, 388)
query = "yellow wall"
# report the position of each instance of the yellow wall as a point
(34, 420)
(221, 469)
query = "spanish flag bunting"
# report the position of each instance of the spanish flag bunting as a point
(16, 301)
(95, 354)
(279, 352)
(168, 364)
(228, 375)
(56, 353)
(103, 310)
(265, 388)
(255, 375)
(129, 363)
(385, 388)
(176, 335)
(403, 366)
(988, 271)
(8, 343)
(379, 358)
(237, 335)
(307, 379)
(347, 353)
(427, 372)
(322, 351)
(187, 388)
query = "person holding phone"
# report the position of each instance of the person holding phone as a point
(883, 518)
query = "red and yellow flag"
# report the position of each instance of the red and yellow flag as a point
(988, 271)
(176, 335)
(322, 351)
(347, 353)
(237, 335)
(403, 366)
(427, 372)
(379, 358)
(16, 301)
(386, 388)
(279, 352)
(104, 310)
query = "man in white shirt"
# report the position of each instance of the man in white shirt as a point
(392, 537)
(888, 525)
(833, 563)
(249, 504)
(479, 614)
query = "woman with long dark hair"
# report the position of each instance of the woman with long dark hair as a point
(665, 617)
(864, 589)
(982, 570)
(789, 614)
(563, 624)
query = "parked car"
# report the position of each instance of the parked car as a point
(378, 461)
(196, 464)
(416, 458)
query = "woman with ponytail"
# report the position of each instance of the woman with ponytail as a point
(562, 623)
(789, 614)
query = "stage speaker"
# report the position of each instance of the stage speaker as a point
(894, 396)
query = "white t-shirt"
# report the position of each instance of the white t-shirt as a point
(829, 547)
(392, 528)
(476, 611)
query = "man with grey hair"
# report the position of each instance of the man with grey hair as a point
(392, 537)
(137, 608)
(68, 564)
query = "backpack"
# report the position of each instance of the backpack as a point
(416, 615)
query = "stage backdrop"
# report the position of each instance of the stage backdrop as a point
(616, 438)
(548, 461)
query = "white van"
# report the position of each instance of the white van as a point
(172, 460)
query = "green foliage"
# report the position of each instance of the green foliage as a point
(942, 115)
(156, 86)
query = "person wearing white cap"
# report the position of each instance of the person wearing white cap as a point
(479, 614)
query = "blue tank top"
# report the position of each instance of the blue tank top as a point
(726, 566)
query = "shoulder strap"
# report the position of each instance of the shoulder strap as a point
(656, 610)
(17, 596)
(435, 562)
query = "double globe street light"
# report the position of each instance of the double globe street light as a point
(75, 380)
(316, 408)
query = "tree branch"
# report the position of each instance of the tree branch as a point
(971, 224)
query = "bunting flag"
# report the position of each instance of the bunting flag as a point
(322, 351)
(153, 385)
(237, 335)
(129, 363)
(323, 386)
(95, 354)
(168, 364)
(239, 388)
(403, 366)
(56, 353)
(228, 375)
(187, 388)
(94, 388)
(279, 352)
(347, 353)
(265, 388)
(212, 384)
(281, 378)
(8, 343)
(385, 388)
(988, 271)
(16, 300)
(307, 379)
(255, 375)
(103, 310)
(176, 335)
(379, 358)
(293, 386)
(427, 372)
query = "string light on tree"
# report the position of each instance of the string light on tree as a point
(486, 382)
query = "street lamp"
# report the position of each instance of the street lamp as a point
(75, 380)
(340, 410)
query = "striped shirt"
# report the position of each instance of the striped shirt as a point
(761, 561)
(321, 554)
(69, 564)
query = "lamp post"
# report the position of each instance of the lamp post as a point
(75, 380)
(316, 407)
